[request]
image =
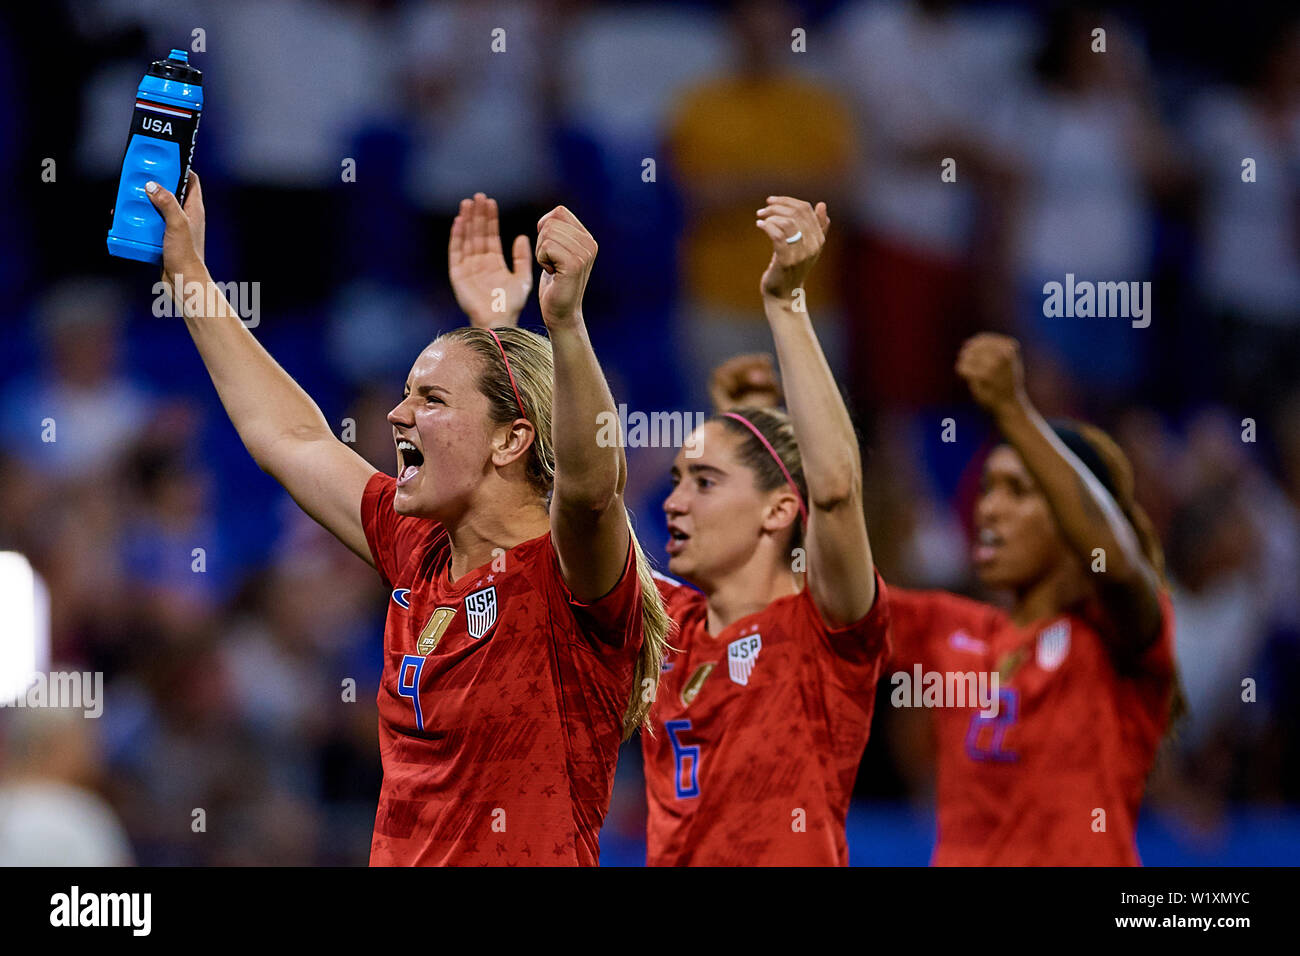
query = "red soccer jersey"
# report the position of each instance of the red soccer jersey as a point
(1074, 733)
(758, 733)
(501, 702)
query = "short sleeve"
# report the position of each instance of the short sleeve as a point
(862, 641)
(676, 595)
(392, 537)
(613, 621)
(918, 619)
(911, 624)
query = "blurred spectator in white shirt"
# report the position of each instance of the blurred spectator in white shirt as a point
(49, 813)
(1250, 231)
(924, 78)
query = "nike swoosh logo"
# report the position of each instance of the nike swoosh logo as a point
(962, 641)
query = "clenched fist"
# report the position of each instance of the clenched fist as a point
(745, 380)
(784, 219)
(990, 364)
(565, 251)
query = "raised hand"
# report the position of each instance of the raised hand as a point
(183, 237)
(785, 218)
(480, 278)
(565, 251)
(990, 364)
(745, 380)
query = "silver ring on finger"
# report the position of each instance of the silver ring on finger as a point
(795, 238)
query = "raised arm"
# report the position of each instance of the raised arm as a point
(279, 424)
(487, 290)
(841, 575)
(589, 525)
(1085, 510)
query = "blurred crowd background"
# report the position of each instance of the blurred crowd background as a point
(224, 687)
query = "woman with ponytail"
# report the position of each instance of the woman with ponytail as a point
(523, 634)
(765, 702)
(1053, 774)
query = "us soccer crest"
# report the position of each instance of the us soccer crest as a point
(1053, 645)
(481, 611)
(741, 657)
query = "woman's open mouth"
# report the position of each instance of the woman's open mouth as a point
(987, 545)
(409, 461)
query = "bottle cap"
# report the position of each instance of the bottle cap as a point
(177, 67)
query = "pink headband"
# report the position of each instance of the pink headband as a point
(519, 401)
(803, 511)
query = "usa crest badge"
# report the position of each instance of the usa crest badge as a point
(481, 611)
(1053, 645)
(742, 654)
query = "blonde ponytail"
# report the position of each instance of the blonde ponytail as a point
(655, 627)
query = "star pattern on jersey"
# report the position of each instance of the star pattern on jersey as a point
(739, 827)
(528, 749)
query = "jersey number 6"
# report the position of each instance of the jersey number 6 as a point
(681, 755)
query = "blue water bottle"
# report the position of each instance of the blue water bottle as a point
(163, 130)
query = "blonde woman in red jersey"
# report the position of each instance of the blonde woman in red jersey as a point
(765, 701)
(523, 625)
(1084, 654)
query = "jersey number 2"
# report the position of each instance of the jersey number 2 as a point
(1008, 705)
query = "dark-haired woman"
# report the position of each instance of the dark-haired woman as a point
(1084, 655)
(764, 705)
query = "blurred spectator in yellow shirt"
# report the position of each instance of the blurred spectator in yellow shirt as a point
(761, 129)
